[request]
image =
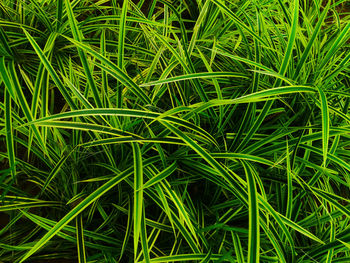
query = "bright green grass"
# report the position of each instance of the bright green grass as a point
(174, 131)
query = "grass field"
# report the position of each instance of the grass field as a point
(174, 131)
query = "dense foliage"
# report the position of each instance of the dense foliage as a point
(167, 131)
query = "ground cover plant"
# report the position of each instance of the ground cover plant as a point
(174, 131)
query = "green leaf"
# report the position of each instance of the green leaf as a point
(254, 228)
(113, 70)
(9, 135)
(74, 212)
(78, 36)
(325, 124)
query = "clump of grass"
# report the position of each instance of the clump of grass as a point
(168, 131)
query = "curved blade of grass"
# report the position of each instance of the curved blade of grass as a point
(201, 75)
(6, 79)
(71, 230)
(9, 135)
(236, 19)
(331, 157)
(240, 193)
(216, 84)
(74, 212)
(278, 81)
(254, 97)
(42, 15)
(16, 25)
(80, 239)
(242, 156)
(22, 102)
(311, 42)
(271, 233)
(96, 21)
(86, 127)
(59, 14)
(143, 236)
(161, 176)
(188, 67)
(138, 195)
(5, 42)
(335, 46)
(325, 124)
(175, 197)
(122, 112)
(289, 185)
(121, 40)
(41, 80)
(283, 221)
(51, 70)
(254, 228)
(128, 229)
(124, 139)
(22, 205)
(238, 247)
(185, 258)
(56, 170)
(114, 70)
(78, 36)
